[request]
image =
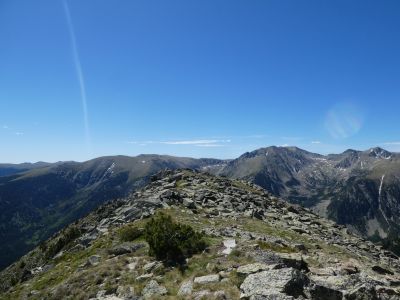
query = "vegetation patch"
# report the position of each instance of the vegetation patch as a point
(130, 233)
(275, 247)
(170, 241)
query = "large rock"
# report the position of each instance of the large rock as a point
(125, 248)
(253, 268)
(186, 288)
(322, 292)
(207, 279)
(152, 266)
(126, 292)
(363, 292)
(94, 260)
(274, 283)
(293, 260)
(272, 297)
(153, 289)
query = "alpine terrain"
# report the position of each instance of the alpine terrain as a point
(250, 245)
(39, 199)
(359, 189)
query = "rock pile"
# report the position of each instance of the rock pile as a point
(294, 253)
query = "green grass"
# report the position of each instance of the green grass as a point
(276, 247)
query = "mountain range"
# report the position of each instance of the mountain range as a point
(39, 199)
(256, 246)
(359, 189)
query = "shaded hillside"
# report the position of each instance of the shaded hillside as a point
(258, 247)
(360, 189)
(10, 169)
(37, 203)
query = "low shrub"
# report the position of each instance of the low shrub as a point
(171, 241)
(66, 237)
(129, 233)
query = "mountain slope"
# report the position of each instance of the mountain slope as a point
(10, 169)
(37, 203)
(360, 189)
(259, 247)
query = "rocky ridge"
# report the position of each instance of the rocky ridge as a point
(37, 200)
(259, 248)
(359, 189)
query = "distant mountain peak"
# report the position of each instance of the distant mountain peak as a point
(378, 152)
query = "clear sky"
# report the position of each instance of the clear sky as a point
(211, 78)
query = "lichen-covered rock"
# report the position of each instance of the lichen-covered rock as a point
(207, 279)
(125, 248)
(186, 288)
(253, 268)
(94, 260)
(153, 289)
(152, 266)
(287, 281)
(322, 292)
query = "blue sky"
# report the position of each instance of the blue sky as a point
(81, 79)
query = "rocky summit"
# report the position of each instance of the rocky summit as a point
(258, 247)
(359, 189)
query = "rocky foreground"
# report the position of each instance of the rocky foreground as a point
(259, 248)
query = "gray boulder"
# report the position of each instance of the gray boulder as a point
(153, 289)
(125, 248)
(253, 268)
(272, 283)
(186, 288)
(207, 279)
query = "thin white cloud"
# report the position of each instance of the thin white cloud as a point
(195, 142)
(210, 145)
(142, 143)
(315, 142)
(392, 143)
(292, 138)
(198, 143)
(79, 73)
(254, 136)
(19, 133)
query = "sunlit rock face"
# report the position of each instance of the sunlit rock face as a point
(276, 250)
(360, 189)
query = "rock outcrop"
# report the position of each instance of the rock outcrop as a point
(276, 250)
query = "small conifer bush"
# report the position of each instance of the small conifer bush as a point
(171, 241)
(130, 233)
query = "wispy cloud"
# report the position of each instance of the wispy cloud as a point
(254, 136)
(19, 133)
(197, 142)
(316, 142)
(5, 127)
(210, 145)
(292, 138)
(79, 72)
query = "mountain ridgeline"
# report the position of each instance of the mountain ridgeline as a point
(36, 200)
(256, 246)
(359, 189)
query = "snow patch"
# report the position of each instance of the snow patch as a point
(379, 199)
